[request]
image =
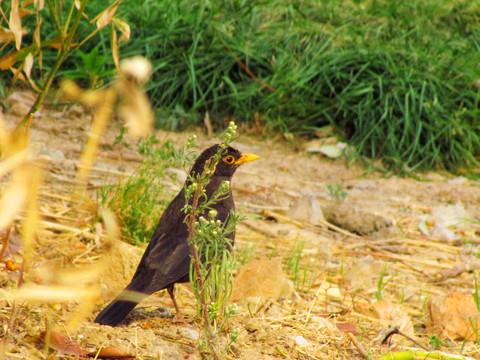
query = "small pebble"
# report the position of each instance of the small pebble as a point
(301, 341)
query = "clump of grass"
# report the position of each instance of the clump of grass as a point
(396, 78)
(435, 342)
(302, 274)
(336, 192)
(245, 255)
(138, 200)
(381, 283)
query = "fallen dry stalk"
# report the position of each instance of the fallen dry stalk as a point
(393, 257)
(392, 330)
(284, 218)
(357, 344)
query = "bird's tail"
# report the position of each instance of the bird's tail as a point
(119, 308)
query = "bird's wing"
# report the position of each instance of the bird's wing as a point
(169, 259)
(167, 255)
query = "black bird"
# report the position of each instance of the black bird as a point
(166, 260)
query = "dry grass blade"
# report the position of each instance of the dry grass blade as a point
(14, 161)
(357, 344)
(104, 18)
(32, 219)
(13, 198)
(15, 24)
(135, 110)
(394, 257)
(284, 218)
(100, 119)
(41, 294)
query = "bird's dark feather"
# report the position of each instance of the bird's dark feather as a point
(166, 260)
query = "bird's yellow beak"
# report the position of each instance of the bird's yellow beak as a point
(246, 158)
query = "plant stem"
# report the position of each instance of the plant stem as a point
(196, 262)
(62, 55)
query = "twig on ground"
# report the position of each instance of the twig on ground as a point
(459, 269)
(357, 344)
(284, 218)
(393, 257)
(314, 301)
(404, 262)
(392, 330)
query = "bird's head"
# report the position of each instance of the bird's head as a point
(227, 165)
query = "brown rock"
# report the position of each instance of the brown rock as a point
(455, 316)
(389, 314)
(261, 279)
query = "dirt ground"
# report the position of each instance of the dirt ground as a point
(325, 277)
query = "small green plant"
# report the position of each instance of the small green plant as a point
(167, 152)
(119, 138)
(302, 274)
(244, 256)
(381, 283)
(292, 262)
(212, 241)
(210, 247)
(233, 336)
(274, 251)
(435, 342)
(424, 303)
(468, 336)
(336, 192)
(308, 277)
(476, 295)
(476, 330)
(139, 199)
(147, 146)
(91, 67)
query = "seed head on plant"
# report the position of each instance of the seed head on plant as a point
(212, 214)
(191, 141)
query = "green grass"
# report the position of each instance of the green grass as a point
(336, 192)
(398, 79)
(381, 283)
(139, 199)
(301, 272)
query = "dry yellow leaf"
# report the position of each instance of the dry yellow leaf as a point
(15, 24)
(39, 4)
(6, 36)
(27, 68)
(124, 29)
(104, 18)
(115, 49)
(136, 111)
(37, 293)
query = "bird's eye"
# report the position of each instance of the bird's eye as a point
(229, 159)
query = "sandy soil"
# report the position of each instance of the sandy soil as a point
(379, 258)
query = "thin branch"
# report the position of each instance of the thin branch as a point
(357, 344)
(62, 55)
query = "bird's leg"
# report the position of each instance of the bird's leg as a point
(170, 290)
